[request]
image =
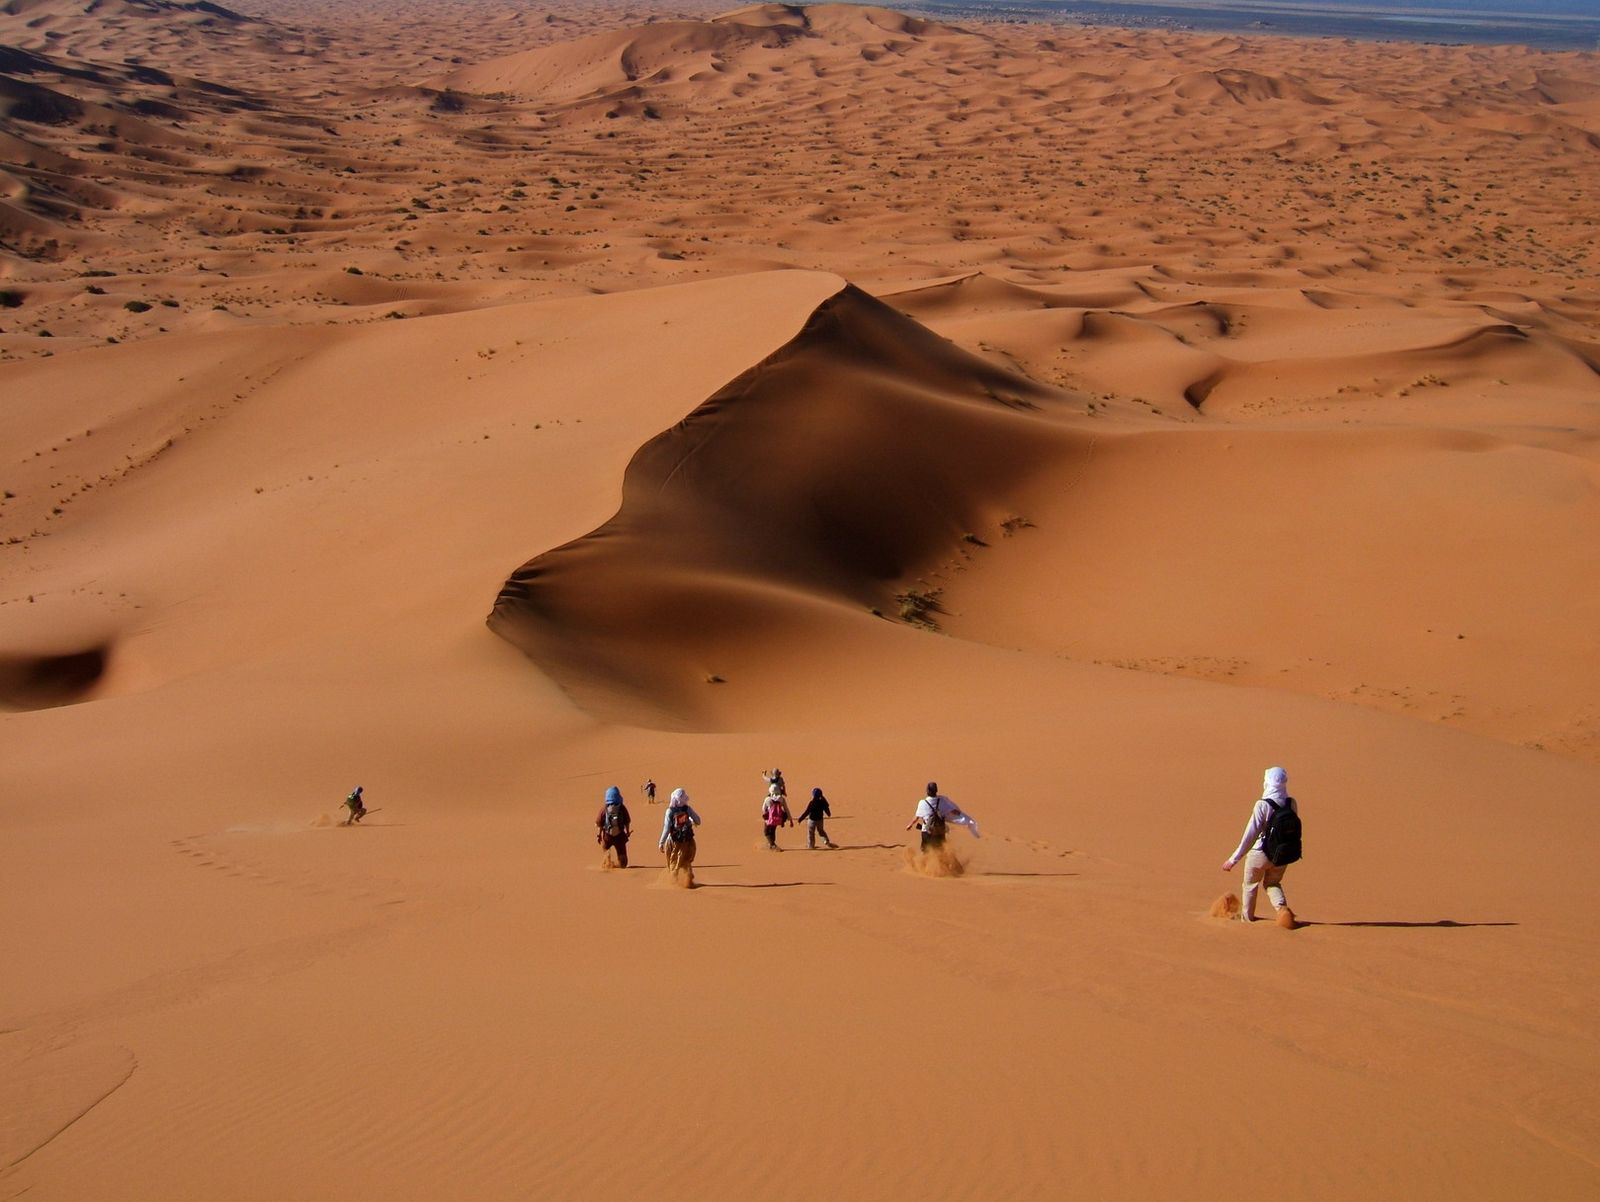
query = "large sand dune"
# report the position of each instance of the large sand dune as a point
(488, 405)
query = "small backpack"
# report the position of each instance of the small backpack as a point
(681, 829)
(934, 825)
(613, 821)
(1280, 842)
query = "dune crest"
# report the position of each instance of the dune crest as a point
(837, 469)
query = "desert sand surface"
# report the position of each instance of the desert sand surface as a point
(487, 404)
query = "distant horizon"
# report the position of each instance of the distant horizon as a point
(1545, 24)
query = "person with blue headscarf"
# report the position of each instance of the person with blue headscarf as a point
(614, 825)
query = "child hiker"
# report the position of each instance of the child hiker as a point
(813, 815)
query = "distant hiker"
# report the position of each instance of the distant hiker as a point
(1270, 844)
(650, 792)
(677, 835)
(615, 826)
(774, 779)
(357, 807)
(813, 815)
(774, 813)
(935, 814)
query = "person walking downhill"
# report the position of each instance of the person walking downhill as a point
(615, 826)
(677, 836)
(935, 814)
(813, 815)
(649, 792)
(357, 807)
(1271, 842)
(774, 813)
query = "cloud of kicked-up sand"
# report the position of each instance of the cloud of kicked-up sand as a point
(1226, 906)
(935, 861)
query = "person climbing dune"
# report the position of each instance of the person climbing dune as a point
(677, 837)
(774, 813)
(935, 814)
(615, 827)
(815, 813)
(1271, 842)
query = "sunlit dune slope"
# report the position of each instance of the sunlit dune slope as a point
(834, 470)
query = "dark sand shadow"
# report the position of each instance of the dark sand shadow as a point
(1023, 874)
(766, 885)
(867, 846)
(1442, 922)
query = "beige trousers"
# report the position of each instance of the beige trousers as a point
(1258, 871)
(680, 857)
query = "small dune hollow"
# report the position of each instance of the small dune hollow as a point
(33, 682)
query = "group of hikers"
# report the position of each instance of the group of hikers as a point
(1270, 843)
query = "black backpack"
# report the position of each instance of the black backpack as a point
(613, 821)
(681, 828)
(1280, 842)
(933, 826)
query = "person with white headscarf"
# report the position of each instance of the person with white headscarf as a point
(677, 835)
(1258, 869)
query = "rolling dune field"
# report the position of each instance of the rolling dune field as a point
(489, 404)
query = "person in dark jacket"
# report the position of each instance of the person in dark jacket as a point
(614, 825)
(813, 815)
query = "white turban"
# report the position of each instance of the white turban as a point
(1275, 785)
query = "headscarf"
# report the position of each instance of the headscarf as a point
(679, 797)
(613, 794)
(1275, 785)
(816, 795)
(773, 790)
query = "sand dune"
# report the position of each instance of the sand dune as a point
(835, 470)
(1083, 418)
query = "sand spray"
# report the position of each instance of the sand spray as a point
(935, 861)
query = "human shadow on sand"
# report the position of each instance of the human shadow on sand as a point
(865, 846)
(1441, 922)
(1022, 874)
(760, 885)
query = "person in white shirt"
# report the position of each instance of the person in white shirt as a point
(677, 835)
(1258, 870)
(935, 812)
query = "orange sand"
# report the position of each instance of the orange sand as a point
(535, 399)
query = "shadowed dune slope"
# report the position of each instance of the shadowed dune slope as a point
(838, 468)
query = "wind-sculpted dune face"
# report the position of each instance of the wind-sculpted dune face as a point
(830, 474)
